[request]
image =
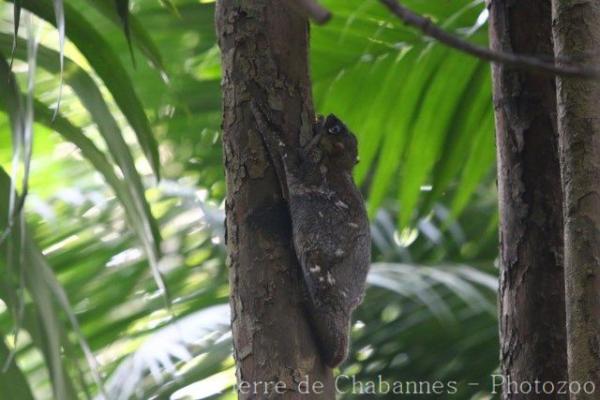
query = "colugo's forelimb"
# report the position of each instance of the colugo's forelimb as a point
(330, 226)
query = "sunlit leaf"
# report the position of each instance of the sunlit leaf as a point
(97, 51)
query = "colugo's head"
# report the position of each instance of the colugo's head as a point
(338, 143)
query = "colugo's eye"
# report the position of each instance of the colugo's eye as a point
(334, 130)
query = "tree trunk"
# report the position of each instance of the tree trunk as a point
(264, 50)
(531, 298)
(577, 37)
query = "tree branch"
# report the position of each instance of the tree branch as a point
(521, 61)
(314, 10)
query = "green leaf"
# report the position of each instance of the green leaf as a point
(131, 195)
(417, 68)
(378, 74)
(112, 73)
(47, 319)
(128, 200)
(12, 102)
(482, 153)
(16, 22)
(430, 128)
(132, 202)
(50, 325)
(123, 11)
(135, 31)
(461, 135)
(41, 271)
(169, 5)
(59, 16)
(13, 384)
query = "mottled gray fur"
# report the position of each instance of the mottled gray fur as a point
(330, 227)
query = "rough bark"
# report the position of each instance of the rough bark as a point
(576, 29)
(264, 48)
(531, 297)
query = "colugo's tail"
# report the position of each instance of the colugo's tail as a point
(332, 330)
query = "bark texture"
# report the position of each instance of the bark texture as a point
(576, 29)
(264, 48)
(531, 298)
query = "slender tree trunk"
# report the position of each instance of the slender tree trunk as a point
(577, 36)
(531, 298)
(264, 50)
